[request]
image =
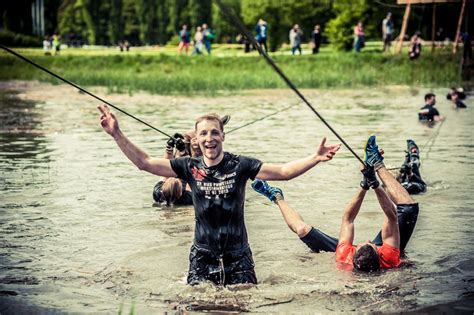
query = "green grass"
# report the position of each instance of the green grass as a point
(162, 71)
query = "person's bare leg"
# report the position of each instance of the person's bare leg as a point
(292, 218)
(395, 190)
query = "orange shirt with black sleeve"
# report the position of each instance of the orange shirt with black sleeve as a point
(389, 256)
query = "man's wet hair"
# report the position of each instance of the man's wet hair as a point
(366, 259)
(429, 95)
(211, 116)
(172, 190)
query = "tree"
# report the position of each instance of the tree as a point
(226, 30)
(116, 23)
(340, 30)
(163, 20)
(200, 12)
(179, 14)
(131, 31)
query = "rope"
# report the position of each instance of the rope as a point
(431, 139)
(262, 118)
(250, 37)
(81, 89)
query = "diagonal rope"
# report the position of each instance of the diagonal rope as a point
(81, 89)
(250, 37)
(261, 118)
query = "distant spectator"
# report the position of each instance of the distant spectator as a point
(387, 32)
(120, 45)
(57, 43)
(207, 37)
(295, 39)
(185, 39)
(359, 37)
(415, 46)
(47, 46)
(242, 39)
(126, 45)
(316, 38)
(198, 38)
(262, 33)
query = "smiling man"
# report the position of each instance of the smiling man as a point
(220, 252)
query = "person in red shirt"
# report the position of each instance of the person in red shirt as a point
(400, 209)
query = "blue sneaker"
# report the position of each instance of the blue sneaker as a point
(372, 154)
(268, 191)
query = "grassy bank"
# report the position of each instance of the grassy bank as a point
(163, 72)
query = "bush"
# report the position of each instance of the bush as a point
(11, 39)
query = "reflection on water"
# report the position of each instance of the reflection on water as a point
(79, 231)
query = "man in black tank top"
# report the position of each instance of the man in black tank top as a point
(220, 252)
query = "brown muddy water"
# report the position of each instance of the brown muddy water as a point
(80, 233)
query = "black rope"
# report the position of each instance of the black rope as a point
(250, 37)
(261, 118)
(431, 139)
(81, 89)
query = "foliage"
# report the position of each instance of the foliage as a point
(18, 40)
(174, 74)
(340, 30)
(226, 30)
(151, 22)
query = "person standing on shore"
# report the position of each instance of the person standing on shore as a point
(415, 46)
(185, 39)
(316, 38)
(262, 33)
(295, 39)
(56, 44)
(387, 32)
(198, 37)
(208, 37)
(359, 37)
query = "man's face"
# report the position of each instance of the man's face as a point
(432, 101)
(210, 137)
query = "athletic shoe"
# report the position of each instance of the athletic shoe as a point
(268, 191)
(372, 154)
(370, 179)
(413, 153)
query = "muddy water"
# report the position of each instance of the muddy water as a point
(80, 233)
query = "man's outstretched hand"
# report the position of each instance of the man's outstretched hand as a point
(326, 152)
(108, 121)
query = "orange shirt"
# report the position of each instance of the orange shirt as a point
(389, 257)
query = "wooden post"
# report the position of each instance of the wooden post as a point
(458, 31)
(404, 28)
(433, 29)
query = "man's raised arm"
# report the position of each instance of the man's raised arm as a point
(351, 211)
(161, 167)
(295, 168)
